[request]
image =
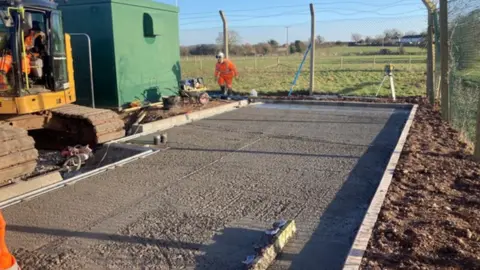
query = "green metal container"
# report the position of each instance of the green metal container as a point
(135, 50)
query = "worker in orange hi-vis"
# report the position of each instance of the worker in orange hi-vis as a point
(225, 71)
(7, 261)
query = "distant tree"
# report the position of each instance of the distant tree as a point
(273, 43)
(292, 48)
(184, 51)
(369, 40)
(392, 35)
(236, 50)
(356, 37)
(248, 49)
(204, 49)
(300, 46)
(263, 48)
(319, 40)
(379, 40)
(338, 42)
(233, 39)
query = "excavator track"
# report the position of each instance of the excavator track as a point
(18, 156)
(92, 125)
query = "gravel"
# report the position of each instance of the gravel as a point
(205, 200)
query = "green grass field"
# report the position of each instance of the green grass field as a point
(340, 70)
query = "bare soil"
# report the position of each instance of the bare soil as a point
(431, 216)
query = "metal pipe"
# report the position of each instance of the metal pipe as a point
(89, 41)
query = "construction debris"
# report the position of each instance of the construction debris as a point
(75, 157)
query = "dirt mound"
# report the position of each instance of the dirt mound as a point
(431, 216)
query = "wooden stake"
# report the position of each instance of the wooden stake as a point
(312, 52)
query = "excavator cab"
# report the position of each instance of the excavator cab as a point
(35, 73)
(32, 53)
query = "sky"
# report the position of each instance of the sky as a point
(261, 20)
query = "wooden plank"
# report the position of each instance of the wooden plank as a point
(23, 187)
(263, 261)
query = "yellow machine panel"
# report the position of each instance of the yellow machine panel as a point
(43, 101)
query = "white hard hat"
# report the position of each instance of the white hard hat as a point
(220, 55)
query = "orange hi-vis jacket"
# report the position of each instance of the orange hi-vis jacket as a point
(30, 39)
(225, 72)
(226, 69)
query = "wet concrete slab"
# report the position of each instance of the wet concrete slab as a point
(181, 207)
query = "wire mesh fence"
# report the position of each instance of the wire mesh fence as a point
(353, 46)
(464, 36)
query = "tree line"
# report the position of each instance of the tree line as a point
(389, 38)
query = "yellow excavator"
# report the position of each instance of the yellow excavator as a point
(37, 87)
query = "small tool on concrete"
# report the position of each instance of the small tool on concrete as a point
(156, 140)
(272, 232)
(75, 157)
(249, 260)
(279, 224)
(163, 138)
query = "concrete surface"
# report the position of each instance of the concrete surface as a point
(203, 202)
(360, 244)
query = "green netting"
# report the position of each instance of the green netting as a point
(464, 36)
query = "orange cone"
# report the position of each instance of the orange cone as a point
(7, 261)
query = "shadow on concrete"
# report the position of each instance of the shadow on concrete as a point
(104, 236)
(331, 240)
(261, 152)
(229, 249)
(296, 121)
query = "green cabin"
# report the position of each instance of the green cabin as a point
(135, 50)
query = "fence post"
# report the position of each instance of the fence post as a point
(255, 64)
(278, 60)
(410, 63)
(430, 52)
(225, 34)
(201, 64)
(341, 62)
(312, 52)
(444, 56)
(374, 61)
(430, 60)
